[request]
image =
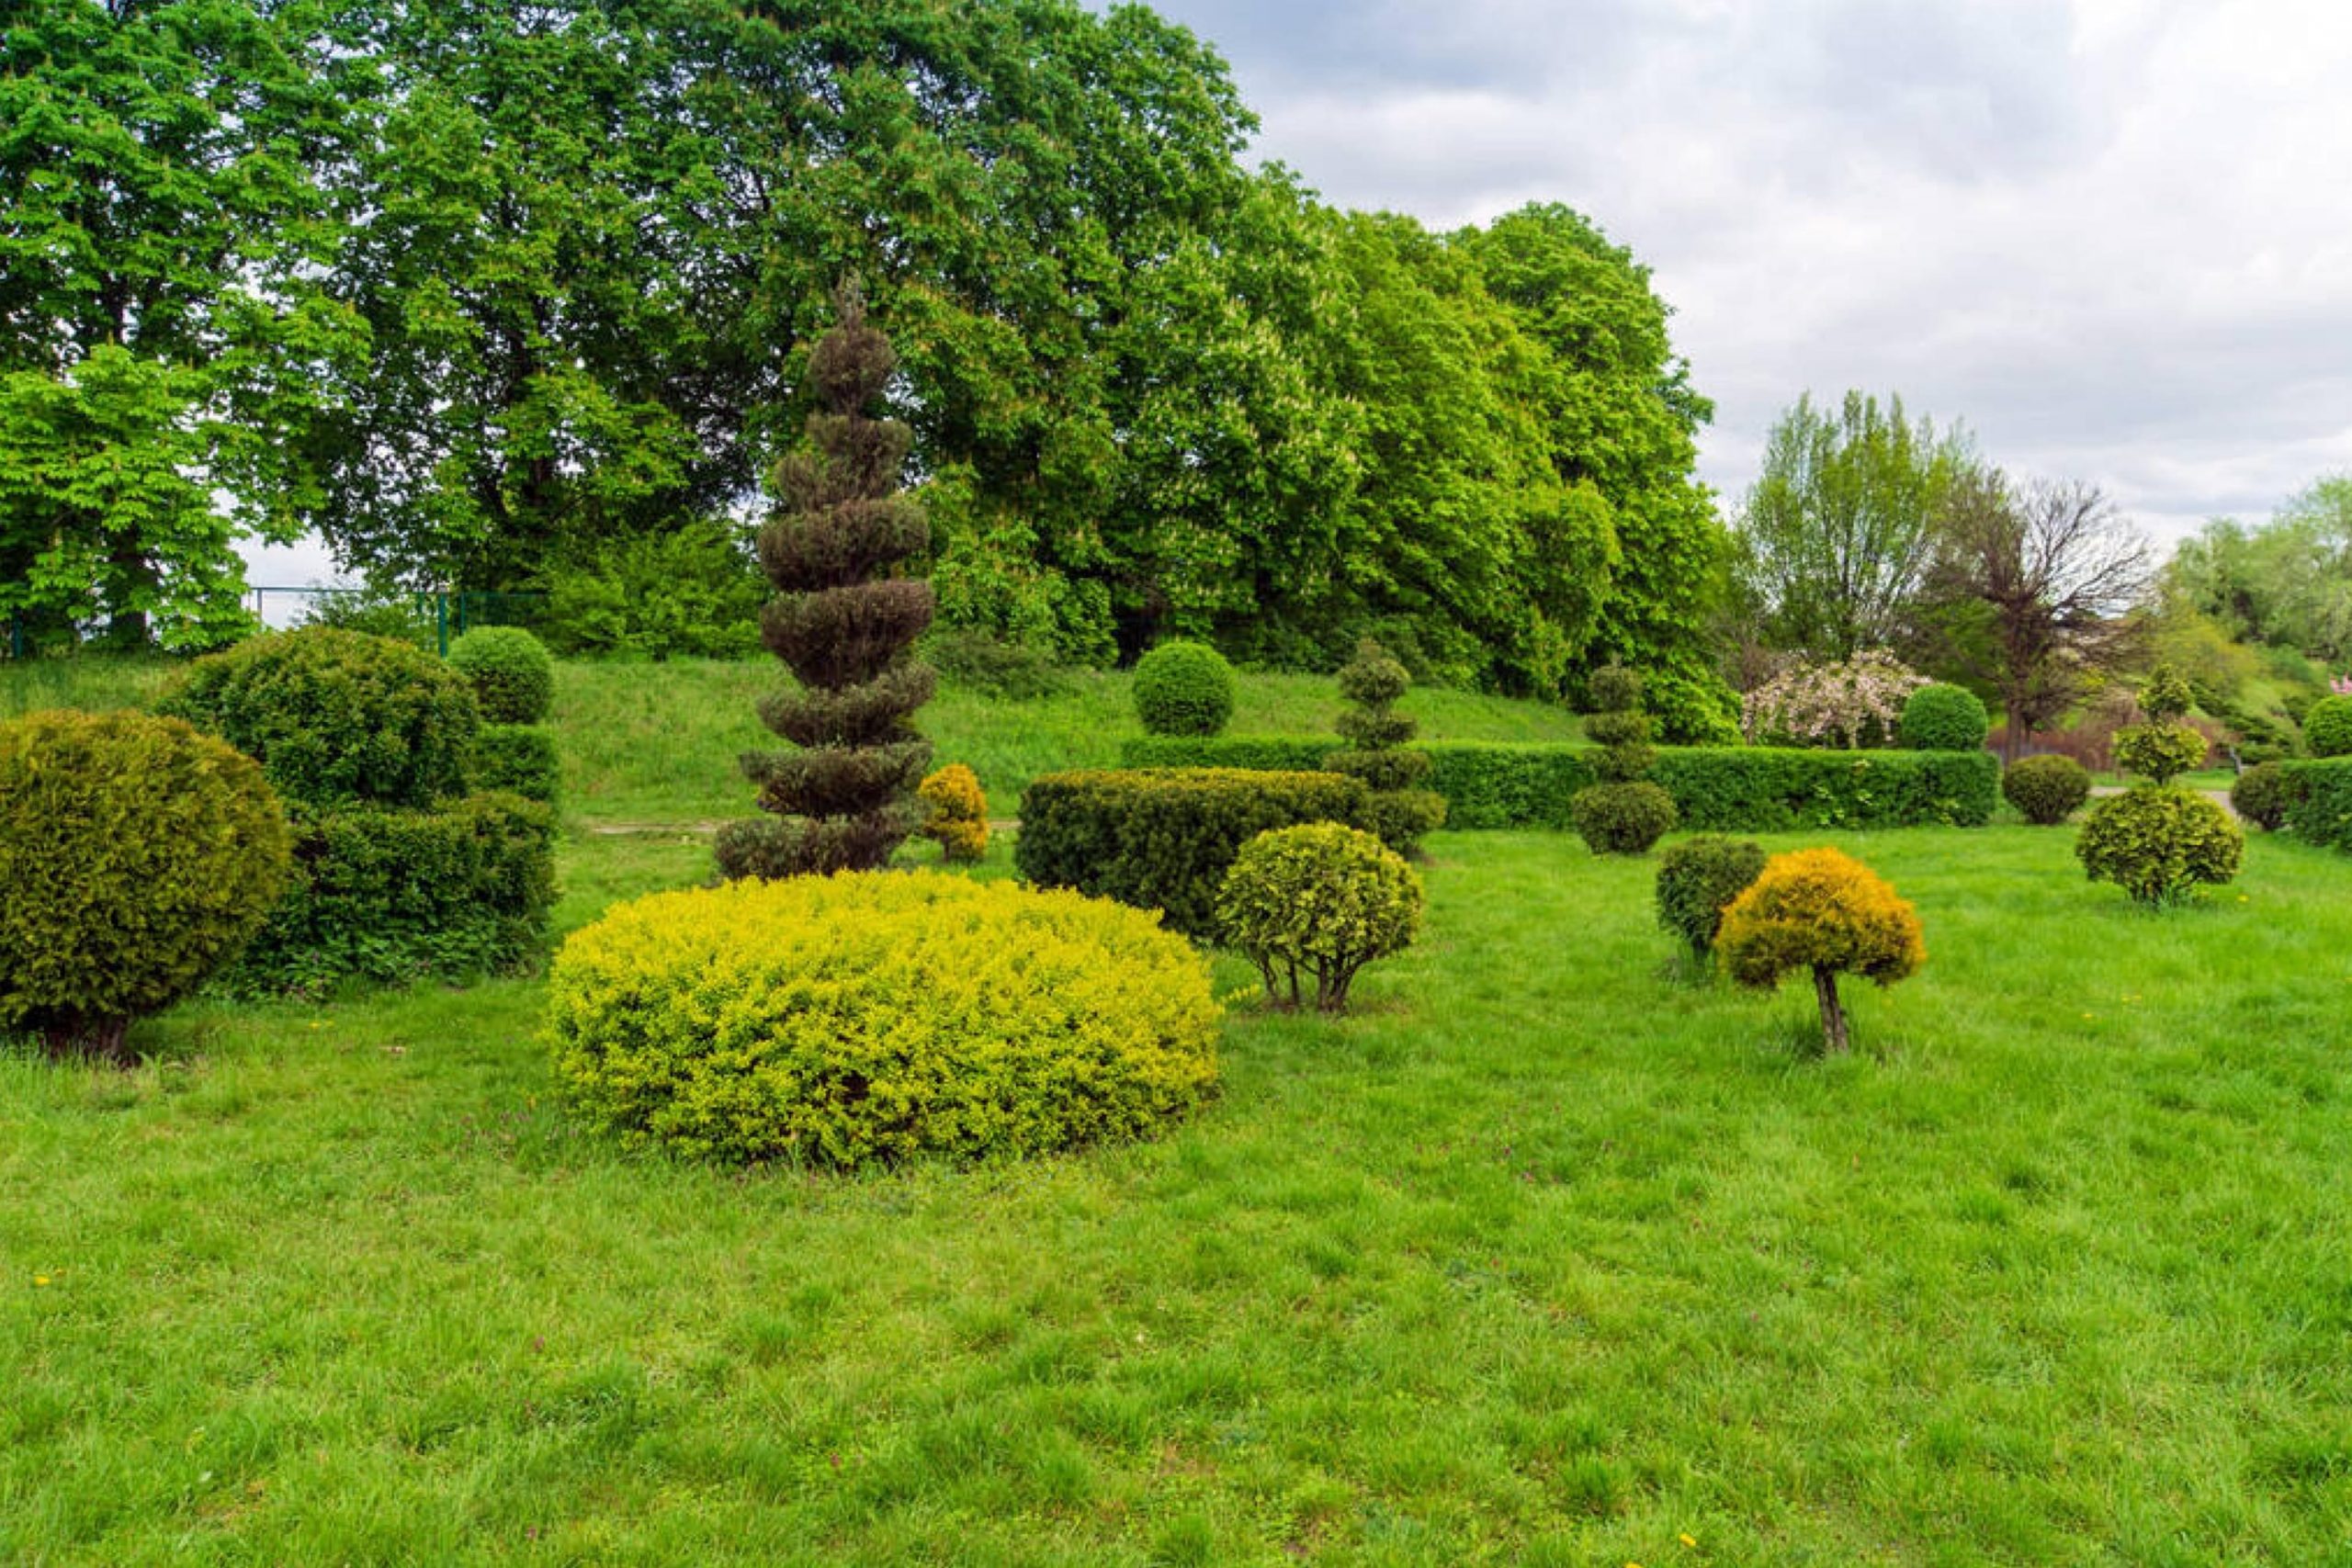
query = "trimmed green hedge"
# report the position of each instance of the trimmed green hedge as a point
(1749, 789)
(517, 757)
(1164, 839)
(2322, 811)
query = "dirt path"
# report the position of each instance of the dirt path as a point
(705, 829)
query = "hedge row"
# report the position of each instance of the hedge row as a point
(1749, 789)
(2321, 804)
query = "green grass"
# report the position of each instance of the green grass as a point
(1547, 1256)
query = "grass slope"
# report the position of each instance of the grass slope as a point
(1545, 1258)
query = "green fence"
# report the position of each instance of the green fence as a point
(430, 618)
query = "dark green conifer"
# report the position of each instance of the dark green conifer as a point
(1404, 810)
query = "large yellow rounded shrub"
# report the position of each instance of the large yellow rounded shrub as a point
(876, 1015)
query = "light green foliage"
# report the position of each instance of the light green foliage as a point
(1836, 533)
(1939, 717)
(871, 1017)
(138, 856)
(685, 593)
(2159, 752)
(336, 716)
(2160, 843)
(1320, 899)
(2285, 584)
(1183, 688)
(2166, 697)
(2046, 790)
(1697, 880)
(2327, 727)
(512, 674)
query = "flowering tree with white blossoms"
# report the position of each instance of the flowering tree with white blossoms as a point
(1843, 706)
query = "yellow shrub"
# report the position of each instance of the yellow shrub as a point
(956, 812)
(877, 1015)
(1824, 911)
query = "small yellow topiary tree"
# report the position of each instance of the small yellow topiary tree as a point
(1826, 911)
(956, 812)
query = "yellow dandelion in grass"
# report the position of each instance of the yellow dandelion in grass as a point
(1689, 1540)
(41, 1280)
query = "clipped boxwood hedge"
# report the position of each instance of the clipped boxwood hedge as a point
(876, 1016)
(517, 757)
(1164, 839)
(1744, 789)
(2321, 809)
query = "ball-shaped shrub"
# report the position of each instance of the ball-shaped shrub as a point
(1698, 879)
(1320, 899)
(956, 812)
(512, 674)
(1824, 911)
(2046, 790)
(2327, 727)
(337, 717)
(2264, 794)
(1183, 688)
(1943, 718)
(874, 1016)
(2160, 843)
(1622, 819)
(137, 855)
(2158, 751)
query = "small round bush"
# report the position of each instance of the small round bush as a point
(1944, 718)
(2160, 843)
(337, 718)
(512, 675)
(1183, 688)
(1622, 819)
(2158, 751)
(2264, 794)
(1320, 899)
(138, 856)
(876, 1016)
(1698, 879)
(1824, 911)
(2327, 727)
(2046, 790)
(956, 812)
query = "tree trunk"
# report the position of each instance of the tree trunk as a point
(1833, 1011)
(106, 1040)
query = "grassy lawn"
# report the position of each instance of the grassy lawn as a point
(1547, 1256)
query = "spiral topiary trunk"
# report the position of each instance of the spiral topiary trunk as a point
(1404, 810)
(846, 626)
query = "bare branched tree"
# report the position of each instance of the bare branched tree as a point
(2036, 589)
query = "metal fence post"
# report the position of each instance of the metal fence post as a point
(441, 621)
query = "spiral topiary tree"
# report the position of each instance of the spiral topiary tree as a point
(1624, 814)
(2158, 842)
(1404, 810)
(846, 626)
(1826, 912)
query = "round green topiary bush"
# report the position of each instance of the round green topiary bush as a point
(2160, 843)
(1943, 718)
(2264, 794)
(2046, 790)
(1622, 819)
(2327, 727)
(1183, 688)
(2159, 752)
(1321, 899)
(1697, 880)
(337, 717)
(874, 1016)
(138, 856)
(512, 675)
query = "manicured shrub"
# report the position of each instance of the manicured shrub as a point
(135, 855)
(1318, 900)
(391, 895)
(982, 661)
(2319, 810)
(2327, 727)
(2046, 790)
(1624, 813)
(2159, 752)
(846, 626)
(1183, 688)
(957, 812)
(866, 1017)
(1164, 840)
(1939, 717)
(2264, 794)
(337, 716)
(2160, 843)
(519, 759)
(1404, 810)
(1697, 880)
(513, 676)
(1823, 911)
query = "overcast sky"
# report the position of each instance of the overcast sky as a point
(2114, 237)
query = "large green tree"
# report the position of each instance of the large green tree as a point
(161, 326)
(2286, 583)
